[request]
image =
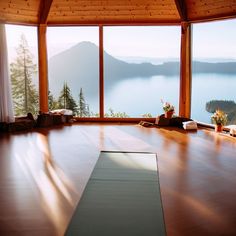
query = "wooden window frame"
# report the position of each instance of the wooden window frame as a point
(185, 74)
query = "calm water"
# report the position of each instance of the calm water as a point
(137, 96)
(208, 87)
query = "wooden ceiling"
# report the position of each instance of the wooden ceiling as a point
(82, 12)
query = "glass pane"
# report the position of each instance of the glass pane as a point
(23, 64)
(74, 69)
(141, 68)
(214, 70)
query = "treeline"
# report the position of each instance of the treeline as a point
(229, 107)
(66, 101)
(80, 109)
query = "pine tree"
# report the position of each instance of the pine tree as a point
(83, 108)
(25, 95)
(66, 100)
(52, 103)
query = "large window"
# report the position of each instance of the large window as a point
(141, 67)
(214, 70)
(74, 69)
(23, 64)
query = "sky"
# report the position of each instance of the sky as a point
(210, 40)
(215, 39)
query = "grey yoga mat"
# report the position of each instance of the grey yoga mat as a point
(121, 198)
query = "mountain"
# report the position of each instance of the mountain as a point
(79, 66)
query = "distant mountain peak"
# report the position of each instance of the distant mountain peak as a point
(79, 48)
(83, 44)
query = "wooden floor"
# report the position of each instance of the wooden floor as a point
(43, 174)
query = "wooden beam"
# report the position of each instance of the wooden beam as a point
(182, 9)
(101, 73)
(44, 9)
(43, 68)
(185, 70)
(66, 22)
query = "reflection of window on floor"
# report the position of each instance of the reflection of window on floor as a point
(214, 73)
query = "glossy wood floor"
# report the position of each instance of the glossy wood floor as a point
(43, 174)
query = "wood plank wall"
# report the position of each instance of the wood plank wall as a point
(19, 11)
(112, 11)
(210, 9)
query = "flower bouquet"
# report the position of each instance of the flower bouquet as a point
(219, 118)
(168, 109)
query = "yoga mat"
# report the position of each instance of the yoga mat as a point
(121, 198)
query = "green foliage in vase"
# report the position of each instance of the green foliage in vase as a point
(24, 93)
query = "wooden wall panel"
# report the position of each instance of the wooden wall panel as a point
(25, 5)
(19, 11)
(113, 11)
(207, 9)
(20, 19)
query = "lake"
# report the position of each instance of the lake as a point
(137, 96)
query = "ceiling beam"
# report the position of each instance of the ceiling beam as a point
(182, 9)
(44, 10)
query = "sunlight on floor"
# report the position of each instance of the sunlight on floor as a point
(53, 184)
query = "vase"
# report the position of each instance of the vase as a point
(169, 114)
(218, 128)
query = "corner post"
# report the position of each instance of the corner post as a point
(101, 73)
(43, 68)
(185, 70)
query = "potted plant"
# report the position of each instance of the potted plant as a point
(168, 109)
(219, 118)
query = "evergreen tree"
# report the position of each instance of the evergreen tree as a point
(52, 103)
(25, 96)
(66, 100)
(83, 108)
